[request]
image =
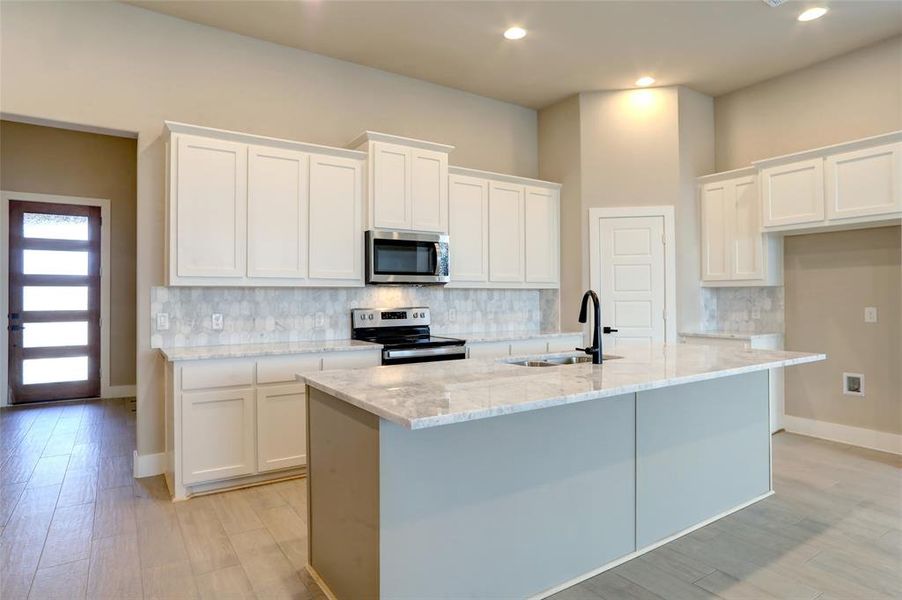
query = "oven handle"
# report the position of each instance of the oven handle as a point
(437, 351)
(438, 259)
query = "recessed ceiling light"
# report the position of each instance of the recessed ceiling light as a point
(515, 33)
(645, 81)
(813, 13)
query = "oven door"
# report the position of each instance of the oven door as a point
(406, 257)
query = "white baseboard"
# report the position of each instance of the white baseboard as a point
(845, 434)
(148, 465)
(119, 391)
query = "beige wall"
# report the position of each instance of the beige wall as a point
(852, 96)
(559, 160)
(117, 66)
(830, 279)
(47, 160)
(634, 148)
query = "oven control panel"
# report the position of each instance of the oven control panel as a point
(389, 317)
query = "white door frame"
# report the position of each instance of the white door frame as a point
(104, 204)
(595, 214)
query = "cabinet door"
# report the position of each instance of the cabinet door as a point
(747, 242)
(429, 190)
(277, 213)
(793, 194)
(217, 434)
(336, 232)
(542, 235)
(390, 179)
(716, 199)
(468, 221)
(865, 182)
(281, 427)
(210, 213)
(506, 262)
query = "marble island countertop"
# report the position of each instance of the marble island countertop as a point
(418, 396)
(265, 349)
(506, 336)
(728, 335)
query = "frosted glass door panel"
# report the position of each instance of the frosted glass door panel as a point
(54, 370)
(55, 262)
(58, 333)
(55, 227)
(55, 297)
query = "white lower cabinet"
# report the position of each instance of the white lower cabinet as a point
(217, 434)
(241, 420)
(281, 427)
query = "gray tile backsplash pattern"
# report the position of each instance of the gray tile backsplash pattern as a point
(743, 309)
(255, 315)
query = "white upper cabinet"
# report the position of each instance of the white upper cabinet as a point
(250, 210)
(734, 251)
(849, 184)
(864, 182)
(429, 190)
(793, 193)
(747, 261)
(407, 182)
(468, 212)
(277, 205)
(504, 230)
(542, 234)
(715, 199)
(390, 183)
(336, 233)
(207, 221)
(506, 235)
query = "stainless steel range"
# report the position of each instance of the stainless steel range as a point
(404, 335)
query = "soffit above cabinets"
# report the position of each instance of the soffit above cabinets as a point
(712, 47)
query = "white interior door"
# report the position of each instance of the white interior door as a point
(631, 277)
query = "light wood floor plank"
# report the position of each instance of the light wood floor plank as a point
(62, 582)
(115, 569)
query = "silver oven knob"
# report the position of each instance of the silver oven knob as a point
(370, 316)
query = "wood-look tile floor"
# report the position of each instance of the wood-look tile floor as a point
(74, 524)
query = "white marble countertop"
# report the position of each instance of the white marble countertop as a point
(506, 336)
(267, 349)
(728, 335)
(418, 396)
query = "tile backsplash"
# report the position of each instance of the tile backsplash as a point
(254, 315)
(743, 309)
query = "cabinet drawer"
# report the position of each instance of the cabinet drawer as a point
(565, 344)
(489, 349)
(216, 374)
(352, 360)
(529, 347)
(282, 369)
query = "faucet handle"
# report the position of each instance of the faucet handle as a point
(607, 329)
(587, 350)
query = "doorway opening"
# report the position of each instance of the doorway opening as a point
(57, 294)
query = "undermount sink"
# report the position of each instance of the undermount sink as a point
(556, 361)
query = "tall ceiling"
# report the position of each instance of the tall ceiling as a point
(711, 46)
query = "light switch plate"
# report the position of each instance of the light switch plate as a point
(870, 314)
(162, 321)
(216, 321)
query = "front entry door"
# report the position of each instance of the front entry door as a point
(632, 277)
(54, 301)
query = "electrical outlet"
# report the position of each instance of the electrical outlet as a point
(853, 384)
(216, 321)
(452, 315)
(162, 321)
(870, 314)
(756, 313)
(319, 320)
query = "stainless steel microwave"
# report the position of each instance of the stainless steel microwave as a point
(406, 257)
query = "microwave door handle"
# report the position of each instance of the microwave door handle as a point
(438, 260)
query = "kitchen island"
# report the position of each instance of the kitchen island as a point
(486, 478)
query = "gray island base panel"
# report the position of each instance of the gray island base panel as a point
(529, 503)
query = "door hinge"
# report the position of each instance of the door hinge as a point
(664, 239)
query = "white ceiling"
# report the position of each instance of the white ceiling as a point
(711, 46)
